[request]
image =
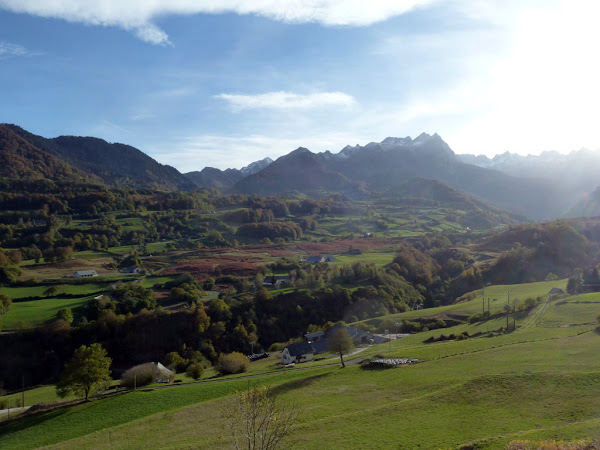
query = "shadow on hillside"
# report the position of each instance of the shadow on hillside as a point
(21, 423)
(297, 384)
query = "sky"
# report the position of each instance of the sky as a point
(223, 83)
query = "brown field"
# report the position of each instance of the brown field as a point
(66, 269)
(244, 261)
(342, 246)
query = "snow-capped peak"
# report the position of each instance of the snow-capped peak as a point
(256, 166)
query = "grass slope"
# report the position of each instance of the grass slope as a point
(39, 311)
(80, 420)
(539, 382)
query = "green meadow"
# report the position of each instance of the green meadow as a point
(36, 312)
(377, 258)
(541, 381)
(499, 295)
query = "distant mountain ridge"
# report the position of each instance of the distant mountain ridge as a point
(225, 179)
(114, 164)
(383, 166)
(300, 171)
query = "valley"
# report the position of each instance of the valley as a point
(497, 308)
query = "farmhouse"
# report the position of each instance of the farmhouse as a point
(297, 353)
(275, 280)
(133, 269)
(358, 336)
(85, 274)
(315, 259)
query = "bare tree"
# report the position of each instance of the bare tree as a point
(340, 342)
(257, 420)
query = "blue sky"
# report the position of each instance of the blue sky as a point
(224, 83)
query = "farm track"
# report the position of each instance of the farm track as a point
(537, 316)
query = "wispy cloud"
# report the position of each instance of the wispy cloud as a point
(138, 15)
(7, 49)
(116, 126)
(196, 152)
(286, 100)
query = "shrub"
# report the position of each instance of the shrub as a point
(195, 371)
(274, 347)
(140, 375)
(234, 362)
(175, 362)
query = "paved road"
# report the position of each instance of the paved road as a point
(5, 413)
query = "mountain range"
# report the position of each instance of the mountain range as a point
(224, 179)
(539, 187)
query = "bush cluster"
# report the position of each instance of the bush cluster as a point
(140, 375)
(231, 363)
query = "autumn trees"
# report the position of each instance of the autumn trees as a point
(86, 372)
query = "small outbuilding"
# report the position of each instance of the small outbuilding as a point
(165, 375)
(556, 291)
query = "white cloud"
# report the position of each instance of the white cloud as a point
(8, 49)
(138, 15)
(286, 100)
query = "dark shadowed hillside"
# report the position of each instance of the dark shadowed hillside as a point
(20, 159)
(114, 164)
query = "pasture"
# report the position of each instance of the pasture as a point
(37, 312)
(541, 381)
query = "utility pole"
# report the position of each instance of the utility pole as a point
(483, 300)
(23, 391)
(507, 308)
(489, 312)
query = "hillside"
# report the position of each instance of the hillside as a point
(19, 159)
(115, 164)
(539, 382)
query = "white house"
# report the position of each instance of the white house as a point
(85, 273)
(297, 353)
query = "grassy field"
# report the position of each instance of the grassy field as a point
(37, 312)
(38, 291)
(541, 381)
(377, 258)
(465, 309)
(42, 394)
